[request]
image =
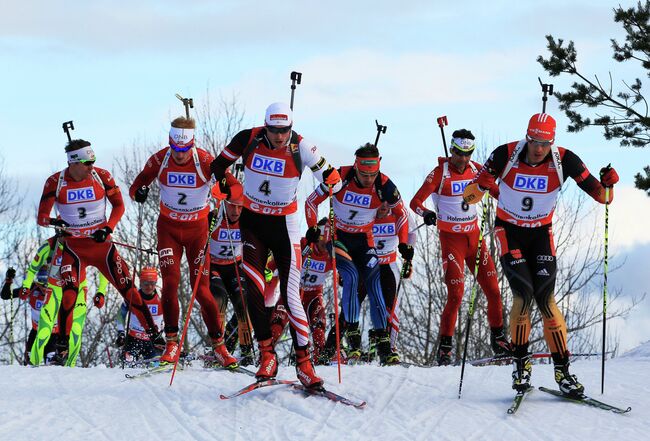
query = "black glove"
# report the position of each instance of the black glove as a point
(313, 234)
(11, 273)
(101, 234)
(121, 339)
(141, 194)
(211, 217)
(430, 217)
(406, 251)
(407, 269)
(58, 222)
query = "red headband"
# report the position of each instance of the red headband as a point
(367, 165)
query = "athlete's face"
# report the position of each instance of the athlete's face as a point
(181, 157)
(278, 136)
(383, 210)
(80, 170)
(459, 161)
(365, 180)
(148, 287)
(233, 212)
(537, 151)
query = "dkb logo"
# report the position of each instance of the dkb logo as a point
(357, 200)
(383, 230)
(537, 184)
(81, 194)
(181, 179)
(265, 164)
(458, 187)
(234, 235)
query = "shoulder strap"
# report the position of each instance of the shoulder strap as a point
(164, 161)
(514, 158)
(59, 184)
(294, 146)
(445, 174)
(197, 164)
(557, 161)
(252, 143)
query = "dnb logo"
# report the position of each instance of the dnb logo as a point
(176, 179)
(534, 183)
(153, 309)
(356, 199)
(267, 165)
(234, 235)
(383, 230)
(81, 194)
(458, 187)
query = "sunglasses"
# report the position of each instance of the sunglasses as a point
(460, 152)
(278, 130)
(540, 143)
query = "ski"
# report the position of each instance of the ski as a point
(322, 392)
(210, 363)
(497, 359)
(586, 400)
(253, 386)
(516, 402)
(159, 369)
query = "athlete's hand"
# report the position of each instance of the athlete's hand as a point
(141, 194)
(23, 293)
(101, 234)
(407, 269)
(608, 176)
(473, 193)
(11, 273)
(406, 251)
(99, 300)
(313, 234)
(429, 217)
(221, 191)
(331, 176)
(121, 339)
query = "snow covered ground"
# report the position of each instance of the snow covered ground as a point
(403, 404)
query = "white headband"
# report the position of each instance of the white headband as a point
(82, 155)
(463, 144)
(181, 137)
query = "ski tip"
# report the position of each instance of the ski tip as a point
(223, 397)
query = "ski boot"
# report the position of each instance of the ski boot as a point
(222, 356)
(373, 340)
(522, 369)
(61, 355)
(305, 369)
(386, 354)
(568, 383)
(268, 361)
(443, 356)
(246, 352)
(499, 342)
(171, 349)
(353, 336)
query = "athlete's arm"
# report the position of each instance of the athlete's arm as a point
(312, 203)
(485, 179)
(230, 154)
(148, 173)
(392, 197)
(321, 169)
(430, 185)
(573, 166)
(47, 200)
(114, 196)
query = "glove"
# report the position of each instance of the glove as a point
(221, 190)
(407, 269)
(608, 176)
(99, 300)
(313, 234)
(11, 273)
(22, 293)
(60, 225)
(121, 339)
(141, 194)
(406, 251)
(101, 234)
(430, 217)
(473, 194)
(331, 176)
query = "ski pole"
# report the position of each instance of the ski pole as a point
(136, 270)
(188, 103)
(110, 362)
(380, 129)
(442, 122)
(11, 330)
(67, 126)
(121, 244)
(241, 292)
(296, 78)
(194, 290)
(472, 297)
(335, 283)
(602, 369)
(546, 89)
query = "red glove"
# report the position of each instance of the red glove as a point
(99, 300)
(220, 190)
(331, 176)
(485, 180)
(608, 176)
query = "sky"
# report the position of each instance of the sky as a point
(114, 66)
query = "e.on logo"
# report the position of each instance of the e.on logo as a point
(265, 164)
(81, 194)
(458, 187)
(175, 179)
(357, 200)
(534, 183)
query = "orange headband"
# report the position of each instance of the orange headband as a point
(367, 165)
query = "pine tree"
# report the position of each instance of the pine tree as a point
(627, 116)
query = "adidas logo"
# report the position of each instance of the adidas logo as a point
(269, 367)
(543, 272)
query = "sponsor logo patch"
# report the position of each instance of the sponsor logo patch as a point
(177, 179)
(534, 183)
(356, 199)
(458, 187)
(234, 235)
(265, 164)
(383, 229)
(81, 194)
(166, 252)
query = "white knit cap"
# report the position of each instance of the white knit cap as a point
(278, 114)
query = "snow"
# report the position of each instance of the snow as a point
(403, 404)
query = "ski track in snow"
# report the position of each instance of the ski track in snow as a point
(403, 404)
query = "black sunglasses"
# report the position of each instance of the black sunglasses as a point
(461, 153)
(278, 130)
